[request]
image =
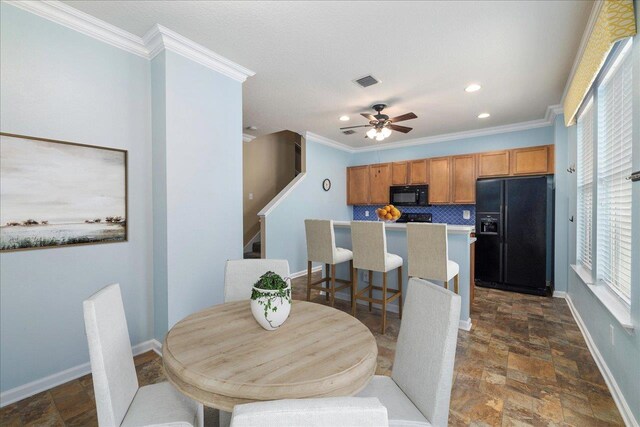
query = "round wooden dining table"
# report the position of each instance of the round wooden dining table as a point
(221, 356)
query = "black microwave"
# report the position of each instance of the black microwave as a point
(409, 195)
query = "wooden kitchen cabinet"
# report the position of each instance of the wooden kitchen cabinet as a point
(532, 160)
(494, 163)
(440, 180)
(399, 173)
(419, 172)
(463, 179)
(379, 183)
(358, 185)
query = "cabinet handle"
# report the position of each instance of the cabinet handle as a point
(634, 176)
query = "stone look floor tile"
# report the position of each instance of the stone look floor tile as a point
(524, 363)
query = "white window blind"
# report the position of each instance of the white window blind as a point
(614, 166)
(585, 186)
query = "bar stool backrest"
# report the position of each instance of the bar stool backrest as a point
(369, 244)
(321, 240)
(428, 251)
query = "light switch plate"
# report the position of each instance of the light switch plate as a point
(466, 214)
(250, 196)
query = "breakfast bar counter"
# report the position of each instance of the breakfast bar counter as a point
(460, 240)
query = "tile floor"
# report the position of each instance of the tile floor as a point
(524, 363)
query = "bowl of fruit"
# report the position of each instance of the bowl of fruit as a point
(388, 213)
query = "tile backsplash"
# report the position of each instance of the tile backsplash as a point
(450, 214)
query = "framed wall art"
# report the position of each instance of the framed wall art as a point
(57, 193)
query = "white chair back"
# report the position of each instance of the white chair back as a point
(240, 276)
(426, 348)
(114, 375)
(369, 244)
(428, 251)
(320, 412)
(321, 240)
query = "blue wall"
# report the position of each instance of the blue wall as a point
(525, 138)
(203, 183)
(57, 83)
(285, 237)
(623, 358)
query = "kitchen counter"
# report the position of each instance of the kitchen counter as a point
(460, 239)
(451, 229)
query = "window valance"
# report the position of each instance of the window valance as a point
(614, 21)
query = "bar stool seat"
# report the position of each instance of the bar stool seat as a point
(370, 253)
(321, 247)
(342, 255)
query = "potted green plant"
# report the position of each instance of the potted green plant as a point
(271, 300)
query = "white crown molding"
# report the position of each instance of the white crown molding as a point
(595, 10)
(247, 138)
(548, 120)
(160, 37)
(153, 42)
(26, 390)
(330, 142)
(84, 23)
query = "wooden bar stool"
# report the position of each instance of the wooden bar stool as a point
(321, 247)
(428, 253)
(370, 253)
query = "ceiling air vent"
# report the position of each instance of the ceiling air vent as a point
(349, 132)
(366, 81)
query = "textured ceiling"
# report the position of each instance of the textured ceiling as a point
(306, 54)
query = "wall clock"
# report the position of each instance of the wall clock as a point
(326, 184)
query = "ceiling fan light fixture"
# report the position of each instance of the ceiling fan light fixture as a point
(474, 87)
(386, 132)
(371, 133)
(379, 136)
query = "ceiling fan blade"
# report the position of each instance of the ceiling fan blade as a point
(353, 127)
(398, 128)
(404, 117)
(368, 117)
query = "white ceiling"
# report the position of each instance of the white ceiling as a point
(306, 54)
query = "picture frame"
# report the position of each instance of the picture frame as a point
(58, 193)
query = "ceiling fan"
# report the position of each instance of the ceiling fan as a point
(381, 125)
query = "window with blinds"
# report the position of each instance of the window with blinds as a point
(585, 186)
(614, 166)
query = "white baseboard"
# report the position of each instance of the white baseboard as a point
(26, 390)
(559, 294)
(304, 272)
(465, 325)
(616, 393)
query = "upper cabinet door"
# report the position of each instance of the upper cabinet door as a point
(463, 172)
(358, 185)
(419, 171)
(495, 163)
(439, 180)
(379, 183)
(399, 173)
(528, 161)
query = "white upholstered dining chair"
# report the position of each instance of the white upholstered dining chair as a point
(428, 254)
(320, 412)
(241, 274)
(419, 389)
(119, 399)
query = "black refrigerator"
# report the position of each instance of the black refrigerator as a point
(514, 228)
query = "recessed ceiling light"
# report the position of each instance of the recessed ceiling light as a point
(344, 118)
(472, 88)
(483, 115)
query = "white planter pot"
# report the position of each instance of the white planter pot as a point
(269, 310)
